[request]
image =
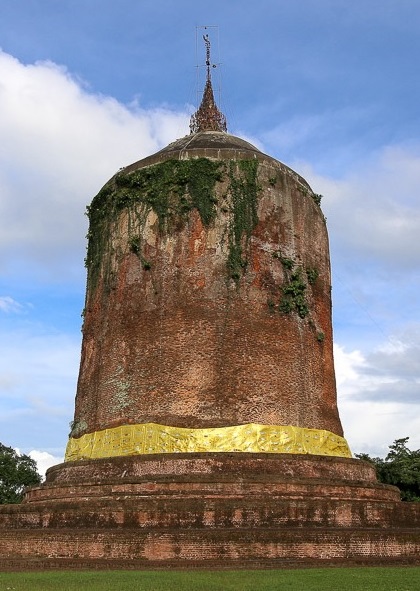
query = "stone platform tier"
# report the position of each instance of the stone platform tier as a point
(209, 510)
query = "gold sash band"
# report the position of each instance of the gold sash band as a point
(151, 438)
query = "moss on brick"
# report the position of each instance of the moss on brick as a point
(172, 189)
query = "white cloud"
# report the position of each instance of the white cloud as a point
(9, 305)
(38, 374)
(44, 460)
(347, 365)
(59, 146)
(371, 419)
(373, 212)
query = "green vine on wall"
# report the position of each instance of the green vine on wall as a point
(294, 295)
(172, 189)
(306, 191)
(135, 247)
(312, 275)
(243, 190)
(294, 288)
(286, 262)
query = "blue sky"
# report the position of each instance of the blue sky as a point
(328, 87)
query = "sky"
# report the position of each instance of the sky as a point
(329, 87)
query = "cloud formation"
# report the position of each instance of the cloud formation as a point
(379, 396)
(38, 372)
(9, 305)
(60, 143)
(44, 460)
(373, 211)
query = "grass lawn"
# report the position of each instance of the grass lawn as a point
(327, 579)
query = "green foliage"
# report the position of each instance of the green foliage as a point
(243, 191)
(287, 263)
(16, 472)
(235, 263)
(401, 467)
(134, 244)
(171, 189)
(312, 275)
(307, 192)
(294, 288)
(294, 295)
(147, 265)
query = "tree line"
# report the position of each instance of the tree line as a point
(401, 467)
(17, 471)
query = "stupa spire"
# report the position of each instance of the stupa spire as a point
(208, 117)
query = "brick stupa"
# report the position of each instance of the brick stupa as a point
(206, 429)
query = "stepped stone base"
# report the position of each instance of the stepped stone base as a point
(209, 510)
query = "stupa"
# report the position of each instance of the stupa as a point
(206, 430)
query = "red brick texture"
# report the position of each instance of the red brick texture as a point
(178, 342)
(209, 510)
(181, 344)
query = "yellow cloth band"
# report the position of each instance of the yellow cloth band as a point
(151, 438)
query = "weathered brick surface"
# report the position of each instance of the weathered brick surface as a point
(216, 474)
(194, 489)
(215, 466)
(209, 513)
(181, 344)
(212, 547)
(220, 514)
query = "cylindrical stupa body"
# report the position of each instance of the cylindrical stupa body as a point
(209, 295)
(206, 397)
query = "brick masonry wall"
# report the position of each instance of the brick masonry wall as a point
(213, 547)
(214, 466)
(166, 512)
(182, 344)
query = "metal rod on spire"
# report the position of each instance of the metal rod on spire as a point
(208, 117)
(207, 42)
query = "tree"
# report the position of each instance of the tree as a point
(401, 467)
(17, 471)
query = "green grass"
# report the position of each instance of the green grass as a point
(326, 579)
